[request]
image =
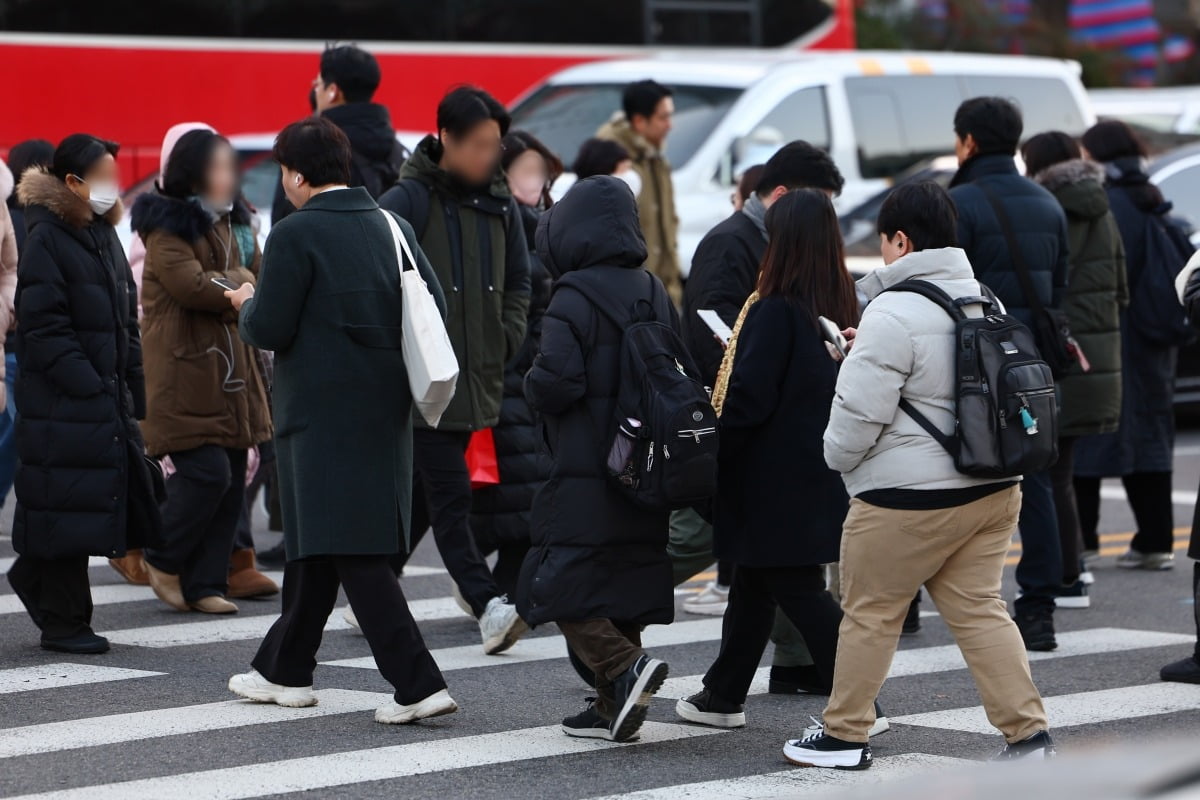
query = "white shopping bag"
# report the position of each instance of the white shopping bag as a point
(428, 354)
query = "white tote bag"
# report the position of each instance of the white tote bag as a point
(428, 354)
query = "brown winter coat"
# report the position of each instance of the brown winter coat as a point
(203, 383)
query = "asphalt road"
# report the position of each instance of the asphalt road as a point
(152, 718)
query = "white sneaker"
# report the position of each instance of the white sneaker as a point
(436, 705)
(501, 626)
(351, 620)
(710, 602)
(253, 686)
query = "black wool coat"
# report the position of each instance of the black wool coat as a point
(595, 554)
(778, 503)
(81, 387)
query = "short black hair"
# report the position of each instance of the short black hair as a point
(465, 107)
(642, 98)
(598, 157)
(29, 153)
(924, 211)
(1047, 149)
(317, 149)
(187, 165)
(994, 122)
(800, 165)
(1112, 139)
(354, 70)
(76, 154)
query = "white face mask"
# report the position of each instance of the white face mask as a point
(101, 196)
(632, 179)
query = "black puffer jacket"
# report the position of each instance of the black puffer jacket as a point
(595, 555)
(500, 514)
(1038, 222)
(81, 384)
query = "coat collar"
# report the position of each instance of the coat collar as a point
(423, 166)
(620, 131)
(945, 264)
(356, 198)
(39, 188)
(977, 167)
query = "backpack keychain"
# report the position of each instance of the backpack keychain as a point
(1028, 420)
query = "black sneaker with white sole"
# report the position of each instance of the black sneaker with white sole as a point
(1040, 745)
(588, 724)
(706, 708)
(632, 691)
(815, 749)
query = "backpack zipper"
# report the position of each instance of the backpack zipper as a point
(696, 433)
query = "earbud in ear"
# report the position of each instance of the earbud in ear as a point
(298, 179)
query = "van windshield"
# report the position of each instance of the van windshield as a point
(563, 116)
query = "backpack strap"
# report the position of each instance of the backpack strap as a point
(417, 194)
(621, 318)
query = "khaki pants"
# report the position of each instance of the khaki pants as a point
(958, 553)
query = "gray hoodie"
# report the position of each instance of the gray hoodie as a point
(904, 348)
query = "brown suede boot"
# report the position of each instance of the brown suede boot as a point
(132, 568)
(244, 578)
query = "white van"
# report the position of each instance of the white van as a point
(877, 113)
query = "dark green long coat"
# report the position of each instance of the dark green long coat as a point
(328, 304)
(1096, 293)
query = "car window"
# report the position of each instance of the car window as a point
(803, 115)
(1047, 104)
(1183, 189)
(902, 119)
(564, 116)
(260, 176)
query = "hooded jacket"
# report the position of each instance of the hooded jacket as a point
(1096, 293)
(475, 240)
(80, 387)
(595, 554)
(904, 348)
(656, 202)
(203, 384)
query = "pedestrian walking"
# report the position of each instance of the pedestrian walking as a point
(83, 486)
(1096, 293)
(21, 158)
(914, 518)
(641, 127)
(8, 284)
(774, 414)
(1141, 451)
(599, 566)
(997, 206)
(206, 403)
(456, 197)
(500, 514)
(328, 305)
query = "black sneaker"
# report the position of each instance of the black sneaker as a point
(79, 644)
(632, 691)
(588, 724)
(796, 680)
(707, 708)
(272, 557)
(1186, 670)
(815, 749)
(1040, 745)
(1037, 630)
(912, 620)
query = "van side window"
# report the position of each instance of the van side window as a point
(802, 115)
(900, 120)
(1046, 103)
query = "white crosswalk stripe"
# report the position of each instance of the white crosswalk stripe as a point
(359, 766)
(58, 675)
(1081, 708)
(93, 561)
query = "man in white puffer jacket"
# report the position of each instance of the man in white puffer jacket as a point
(914, 519)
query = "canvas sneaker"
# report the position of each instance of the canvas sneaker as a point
(588, 724)
(1155, 562)
(710, 602)
(815, 749)
(632, 691)
(1040, 745)
(253, 686)
(500, 626)
(706, 708)
(437, 704)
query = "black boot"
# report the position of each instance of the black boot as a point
(1037, 630)
(274, 557)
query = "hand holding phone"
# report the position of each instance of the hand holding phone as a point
(721, 332)
(227, 285)
(834, 336)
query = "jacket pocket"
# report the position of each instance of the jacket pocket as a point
(199, 378)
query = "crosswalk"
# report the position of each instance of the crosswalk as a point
(333, 748)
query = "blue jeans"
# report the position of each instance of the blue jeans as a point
(8, 430)
(1040, 570)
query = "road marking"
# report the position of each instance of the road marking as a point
(796, 782)
(1082, 708)
(115, 728)
(56, 676)
(947, 658)
(545, 648)
(1179, 498)
(361, 766)
(94, 561)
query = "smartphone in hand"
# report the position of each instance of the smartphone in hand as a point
(834, 336)
(227, 285)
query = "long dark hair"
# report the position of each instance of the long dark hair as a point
(187, 164)
(805, 260)
(1047, 149)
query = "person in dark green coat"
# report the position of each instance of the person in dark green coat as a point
(328, 304)
(1090, 392)
(456, 196)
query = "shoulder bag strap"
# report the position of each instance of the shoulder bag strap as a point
(402, 248)
(1018, 258)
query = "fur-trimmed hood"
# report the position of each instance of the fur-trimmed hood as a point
(39, 188)
(186, 219)
(1065, 173)
(1079, 187)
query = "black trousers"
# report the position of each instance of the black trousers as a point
(442, 497)
(200, 519)
(56, 593)
(1149, 496)
(288, 654)
(1062, 476)
(801, 594)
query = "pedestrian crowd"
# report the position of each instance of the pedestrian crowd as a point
(839, 450)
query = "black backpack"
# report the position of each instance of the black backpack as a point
(1007, 410)
(661, 445)
(1154, 307)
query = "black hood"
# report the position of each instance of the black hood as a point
(186, 219)
(368, 126)
(596, 224)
